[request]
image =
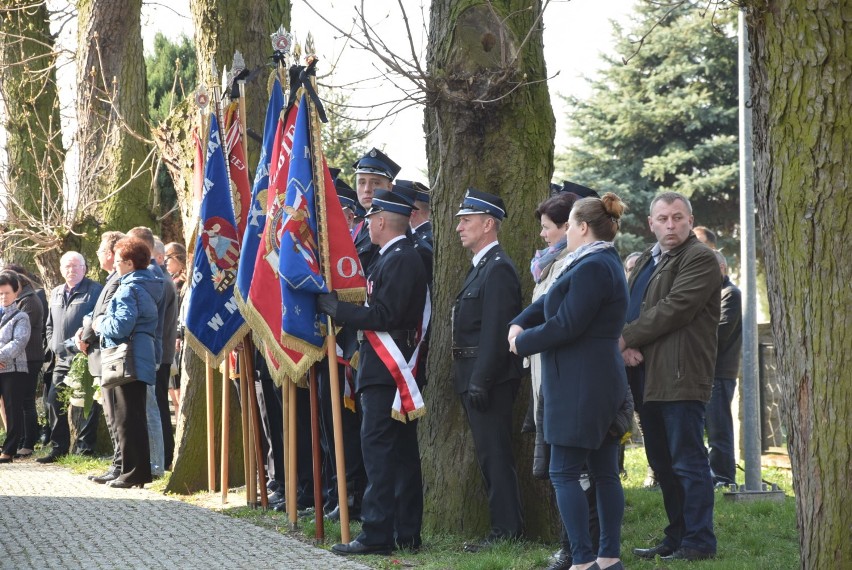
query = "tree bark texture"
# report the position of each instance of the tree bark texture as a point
(801, 81)
(489, 124)
(223, 26)
(189, 473)
(32, 125)
(112, 114)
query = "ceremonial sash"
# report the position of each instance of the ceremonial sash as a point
(408, 402)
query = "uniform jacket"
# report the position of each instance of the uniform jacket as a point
(132, 316)
(424, 231)
(575, 327)
(66, 317)
(488, 300)
(29, 303)
(14, 336)
(88, 335)
(367, 250)
(676, 328)
(396, 295)
(730, 337)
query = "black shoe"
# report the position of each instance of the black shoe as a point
(23, 454)
(50, 458)
(486, 543)
(689, 554)
(357, 547)
(121, 484)
(654, 551)
(561, 560)
(106, 477)
(274, 486)
(354, 514)
(410, 544)
(6, 459)
(277, 497)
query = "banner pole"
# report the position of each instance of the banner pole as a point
(226, 421)
(285, 414)
(248, 347)
(211, 437)
(316, 450)
(337, 420)
(292, 500)
(244, 421)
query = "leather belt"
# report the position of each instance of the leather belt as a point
(465, 351)
(407, 335)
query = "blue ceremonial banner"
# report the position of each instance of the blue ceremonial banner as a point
(299, 265)
(214, 324)
(257, 212)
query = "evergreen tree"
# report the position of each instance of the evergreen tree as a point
(161, 67)
(666, 119)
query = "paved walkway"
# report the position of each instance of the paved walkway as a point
(51, 518)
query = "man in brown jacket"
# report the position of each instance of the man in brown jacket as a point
(671, 331)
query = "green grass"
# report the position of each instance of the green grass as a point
(750, 535)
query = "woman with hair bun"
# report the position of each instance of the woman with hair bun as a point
(575, 327)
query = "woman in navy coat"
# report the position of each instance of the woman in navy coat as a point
(575, 328)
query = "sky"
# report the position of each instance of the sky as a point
(576, 33)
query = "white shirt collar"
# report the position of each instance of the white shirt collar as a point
(390, 243)
(478, 257)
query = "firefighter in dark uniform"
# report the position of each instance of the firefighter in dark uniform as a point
(421, 224)
(487, 375)
(392, 508)
(374, 171)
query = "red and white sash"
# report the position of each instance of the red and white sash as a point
(408, 402)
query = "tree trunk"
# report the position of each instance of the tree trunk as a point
(802, 78)
(487, 128)
(190, 463)
(33, 180)
(223, 26)
(112, 113)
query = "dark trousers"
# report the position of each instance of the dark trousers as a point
(269, 402)
(720, 431)
(566, 466)
(674, 445)
(31, 431)
(108, 398)
(492, 437)
(392, 509)
(87, 426)
(356, 478)
(161, 393)
(60, 433)
(131, 430)
(12, 386)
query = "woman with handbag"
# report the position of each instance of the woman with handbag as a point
(128, 327)
(576, 327)
(14, 336)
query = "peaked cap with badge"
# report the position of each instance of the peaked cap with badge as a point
(377, 162)
(478, 202)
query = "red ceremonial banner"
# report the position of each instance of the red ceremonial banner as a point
(237, 168)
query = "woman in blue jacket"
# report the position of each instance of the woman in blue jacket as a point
(575, 327)
(132, 317)
(14, 335)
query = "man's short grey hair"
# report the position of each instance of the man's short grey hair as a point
(72, 255)
(721, 259)
(159, 247)
(668, 198)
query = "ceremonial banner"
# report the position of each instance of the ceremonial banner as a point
(240, 186)
(257, 210)
(214, 324)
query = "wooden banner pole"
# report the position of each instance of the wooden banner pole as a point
(316, 454)
(211, 436)
(292, 499)
(226, 422)
(337, 420)
(244, 422)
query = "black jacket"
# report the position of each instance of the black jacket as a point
(488, 300)
(66, 317)
(29, 302)
(730, 335)
(88, 335)
(396, 295)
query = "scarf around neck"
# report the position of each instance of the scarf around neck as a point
(544, 258)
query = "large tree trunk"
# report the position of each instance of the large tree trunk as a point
(33, 202)
(487, 128)
(112, 113)
(190, 464)
(223, 26)
(802, 79)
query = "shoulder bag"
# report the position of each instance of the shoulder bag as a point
(117, 365)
